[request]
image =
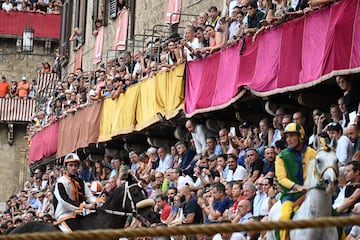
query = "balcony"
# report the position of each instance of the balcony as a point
(46, 26)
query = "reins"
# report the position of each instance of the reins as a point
(321, 184)
(125, 213)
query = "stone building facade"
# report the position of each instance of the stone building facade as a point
(15, 64)
(147, 14)
(13, 162)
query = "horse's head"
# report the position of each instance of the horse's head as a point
(326, 166)
(131, 198)
(144, 206)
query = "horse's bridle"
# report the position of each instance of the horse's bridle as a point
(321, 184)
(133, 212)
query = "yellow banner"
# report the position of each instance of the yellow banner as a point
(139, 106)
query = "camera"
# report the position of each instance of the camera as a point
(201, 168)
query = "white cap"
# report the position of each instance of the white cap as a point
(23, 78)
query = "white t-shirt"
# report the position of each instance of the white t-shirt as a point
(232, 4)
(239, 174)
(7, 6)
(195, 44)
(344, 150)
(183, 180)
(234, 236)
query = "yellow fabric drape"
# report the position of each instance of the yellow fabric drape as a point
(109, 107)
(137, 108)
(125, 119)
(174, 92)
(149, 102)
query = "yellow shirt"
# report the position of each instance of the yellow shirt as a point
(280, 170)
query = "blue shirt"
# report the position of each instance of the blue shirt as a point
(259, 198)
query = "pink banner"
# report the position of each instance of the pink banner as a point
(78, 60)
(98, 46)
(44, 25)
(121, 30)
(173, 11)
(295, 55)
(44, 143)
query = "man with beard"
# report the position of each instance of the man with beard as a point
(269, 162)
(192, 211)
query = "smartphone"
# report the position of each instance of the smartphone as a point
(232, 131)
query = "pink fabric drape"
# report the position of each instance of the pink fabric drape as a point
(174, 6)
(78, 60)
(44, 143)
(121, 30)
(44, 25)
(98, 46)
(295, 55)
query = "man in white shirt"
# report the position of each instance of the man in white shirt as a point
(199, 134)
(165, 160)
(344, 148)
(192, 46)
(7, 6)
(236, 172)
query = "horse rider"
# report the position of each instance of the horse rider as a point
(71, 195)
(291, 170)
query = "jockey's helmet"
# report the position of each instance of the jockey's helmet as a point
(296, 128)
(71, 157)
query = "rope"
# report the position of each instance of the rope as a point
(209, 229)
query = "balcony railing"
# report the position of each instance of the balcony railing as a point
(46, 26)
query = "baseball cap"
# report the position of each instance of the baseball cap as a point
(245, 125)
(334, 126)
(212, 157)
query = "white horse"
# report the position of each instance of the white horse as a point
(321, 182)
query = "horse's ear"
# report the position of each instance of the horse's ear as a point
(131, 178)
(317, 143)
(333, 143)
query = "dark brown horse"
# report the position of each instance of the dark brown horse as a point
(127, 200)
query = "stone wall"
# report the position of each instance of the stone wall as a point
(13, 161)
(13, 158)
(148, 13)
(14, 65)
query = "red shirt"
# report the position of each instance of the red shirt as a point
(4, 88)
(165, 212)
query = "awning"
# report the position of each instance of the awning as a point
(295, 55)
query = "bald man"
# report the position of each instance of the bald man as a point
(192, 211)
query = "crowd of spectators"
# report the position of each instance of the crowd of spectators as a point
(38, 6)
(213, 177)
(22, 89)
(205, 34)
(227, 176)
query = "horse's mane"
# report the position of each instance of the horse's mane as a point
(326, 148)
(310, 171)
(116, 192)
(130, 179)
(311, 164)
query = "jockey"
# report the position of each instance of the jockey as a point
(291, 170)
(70, 195)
